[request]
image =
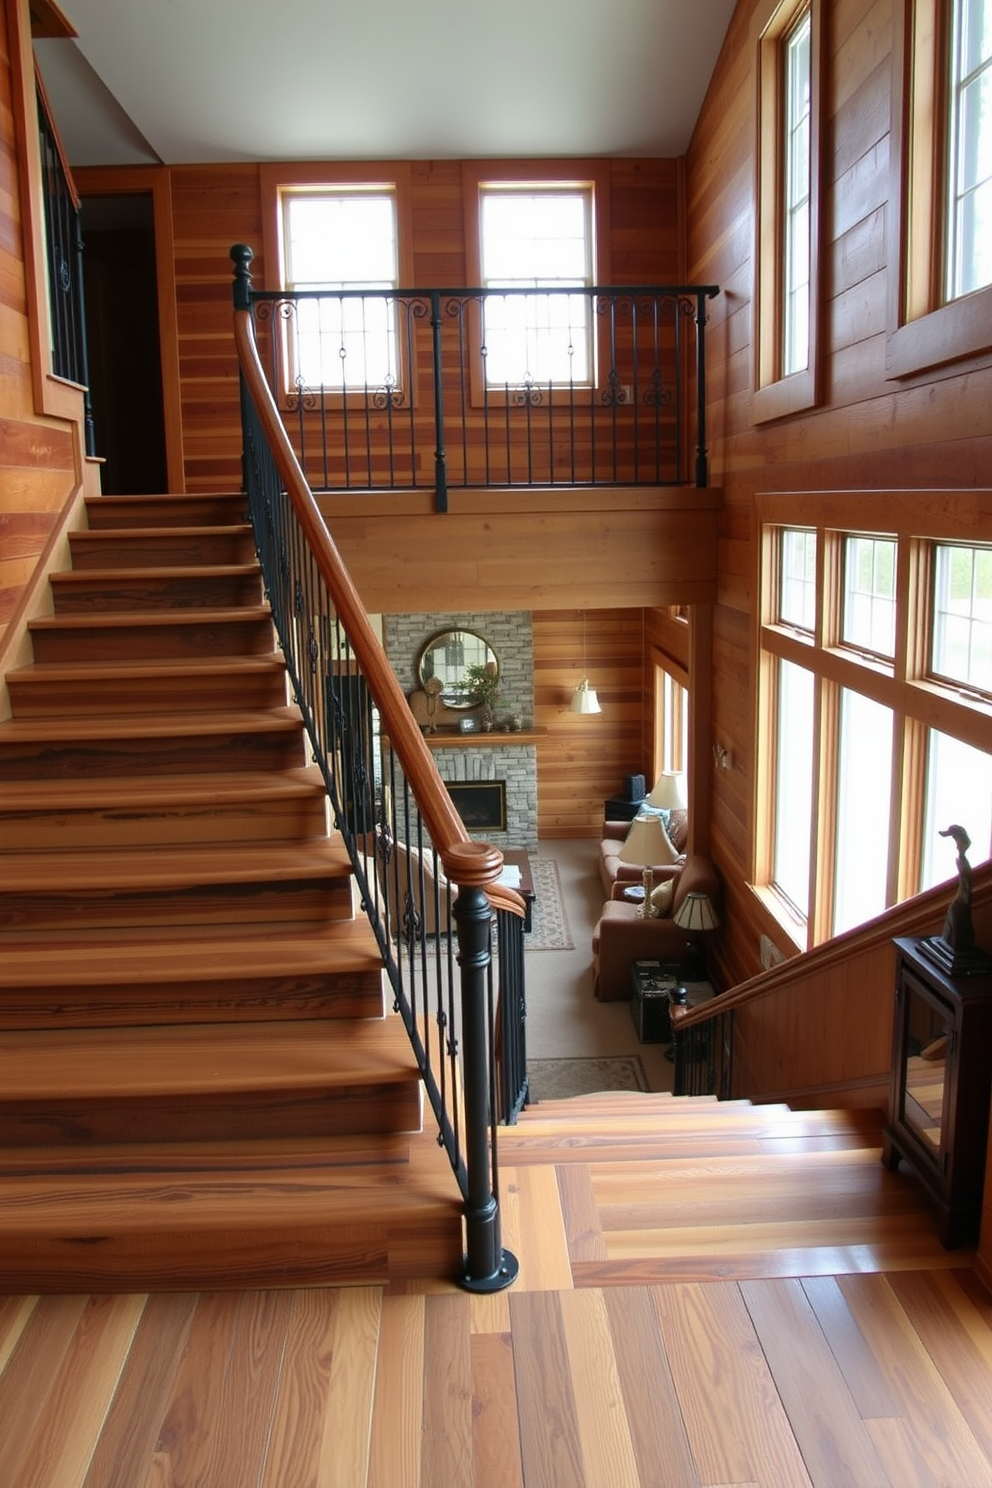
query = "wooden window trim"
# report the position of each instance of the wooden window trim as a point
(394, 174)
(924, 333)
(775, 396)
(581, 174)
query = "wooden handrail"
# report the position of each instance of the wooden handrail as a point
(464, 860)
(921, 915)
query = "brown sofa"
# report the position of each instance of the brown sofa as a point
(624, 936)
(612, 871)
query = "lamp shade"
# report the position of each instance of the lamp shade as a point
(648, 843)
(696, 912)
(584, 699)
(668, 791)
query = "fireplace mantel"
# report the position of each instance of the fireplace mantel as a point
(452, 739)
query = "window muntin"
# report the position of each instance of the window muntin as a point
(797, 579)
(536, 236)
(969, 156)
(797, 91)
(793, 786)
(869, 606)
(958, 791)
(341, 238)
(961, 649)
(864, 793)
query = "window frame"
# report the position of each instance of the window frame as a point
(925, 330)
(586, 175)
(349, 177)
(776, 395)
(917, 701)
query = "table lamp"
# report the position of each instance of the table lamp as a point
(696, 916)
(648, 845)
(668, 792)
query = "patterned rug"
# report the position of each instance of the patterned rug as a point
(557, 1079)
(550, 930)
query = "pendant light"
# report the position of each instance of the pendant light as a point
(584, 699)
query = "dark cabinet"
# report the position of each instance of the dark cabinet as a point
(941, 1084)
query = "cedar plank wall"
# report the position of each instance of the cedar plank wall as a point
(583, 760)
(927, 432)
(37, 456)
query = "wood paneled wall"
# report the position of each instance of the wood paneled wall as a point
(39, 456)
(868, 432)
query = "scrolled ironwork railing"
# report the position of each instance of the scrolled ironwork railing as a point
(429, 892)
(64, 257)
(704, 1053)
(473, 388)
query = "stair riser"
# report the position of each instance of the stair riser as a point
(271, 821)
(227, 509)
(131, 550)
(283, 1255)
(151, 640)
(280, 749)
(149, 1004)
(37, 697)
(316, 901)
(141, 595)
(244, 1115)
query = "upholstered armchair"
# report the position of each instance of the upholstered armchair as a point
(413, 884)
(624, 935)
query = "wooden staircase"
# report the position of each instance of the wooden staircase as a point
(199, 1085)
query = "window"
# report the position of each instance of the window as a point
(797, 581)
(787, 189)
(793, 786)
(795, 197)
(969, 154)
(876, 719)
(528, 228)
(941, 200)
(869, 615)
(864, 790)
(341, 238)
(962, 617)
(539, 236)
(341, 234)
(671, 745)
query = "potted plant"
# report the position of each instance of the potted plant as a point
(482, 686)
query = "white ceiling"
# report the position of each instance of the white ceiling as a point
(187, 81)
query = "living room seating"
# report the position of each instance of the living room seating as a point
(624, 935)
(612, 870)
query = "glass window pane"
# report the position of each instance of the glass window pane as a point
(959, 792)
(962, 616)
(537, 238)
(869, 621)
(864, 789)
(796, 192)
(793, 785)
(797, 579)
(969, 168)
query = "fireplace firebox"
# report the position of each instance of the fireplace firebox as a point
(481, 804)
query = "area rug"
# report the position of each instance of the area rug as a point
(557, 1079)
(549, 922)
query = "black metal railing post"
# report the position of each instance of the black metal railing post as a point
(440, 455)
(488, 1267)
(702, 455)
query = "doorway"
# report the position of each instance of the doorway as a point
(125, 364)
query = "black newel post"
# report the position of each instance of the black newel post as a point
(241, 256)
(440, 455)
(488, 1267)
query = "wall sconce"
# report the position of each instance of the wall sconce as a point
(722, 757)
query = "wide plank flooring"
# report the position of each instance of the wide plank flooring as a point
(773, 1310)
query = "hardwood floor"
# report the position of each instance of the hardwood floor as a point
(709, 1294)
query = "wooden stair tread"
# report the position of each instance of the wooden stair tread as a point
(88, 577)
(121, 619)
(147, 792)
(97, 535)
(45, 960)
(48, 671)
(171, 866)
(117, 1063)
(150, 725)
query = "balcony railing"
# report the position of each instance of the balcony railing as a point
(411, 389)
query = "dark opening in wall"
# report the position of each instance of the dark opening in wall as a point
(481, 804)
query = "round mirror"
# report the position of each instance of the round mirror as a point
(447, 658)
